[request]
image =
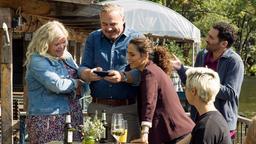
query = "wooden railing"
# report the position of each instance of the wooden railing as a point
(242, 127)
(18, 104)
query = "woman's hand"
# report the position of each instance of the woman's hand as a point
(185, 140)
(142, 140)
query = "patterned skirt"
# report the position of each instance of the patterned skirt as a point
(44, 129)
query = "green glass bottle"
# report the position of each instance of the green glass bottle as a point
(68, 131)
(104, 135)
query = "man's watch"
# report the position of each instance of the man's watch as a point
(124, 78)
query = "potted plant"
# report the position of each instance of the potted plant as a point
(92, 130)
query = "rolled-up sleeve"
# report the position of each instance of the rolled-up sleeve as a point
(47, 76)
(136, 76)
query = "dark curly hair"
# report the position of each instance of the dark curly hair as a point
(226, 32)
(162, 59)
(158, 54)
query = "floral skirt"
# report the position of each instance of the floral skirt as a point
(44, 129)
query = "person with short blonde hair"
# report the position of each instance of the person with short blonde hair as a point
(53, 87)
(205, 81)
(251, 135)
(46, 34)
(202, 86)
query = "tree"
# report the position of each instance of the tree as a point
(243, 15)
(240, 13)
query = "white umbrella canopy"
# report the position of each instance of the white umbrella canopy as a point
(149, 17)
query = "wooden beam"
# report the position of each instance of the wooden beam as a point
(185, 40)
(5, 17)
(77, 1)
(27, 6)
(68, 9)
(80, 20)
(6, 79)
(53, 7)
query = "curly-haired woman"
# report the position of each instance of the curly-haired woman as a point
(163, 120)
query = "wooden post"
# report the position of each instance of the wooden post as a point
(6, 78)
(27, 40)
(78, 53)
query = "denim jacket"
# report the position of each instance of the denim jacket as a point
(49, 85)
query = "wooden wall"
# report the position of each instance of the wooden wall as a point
(6, 78)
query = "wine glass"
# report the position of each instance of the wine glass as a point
(123, 138)
(117, 126)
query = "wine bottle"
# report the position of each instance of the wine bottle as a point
(104, 135)
(68, 130)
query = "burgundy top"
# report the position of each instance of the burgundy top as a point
(210, 63)
(159, 103)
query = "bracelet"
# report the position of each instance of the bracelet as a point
(144, 132)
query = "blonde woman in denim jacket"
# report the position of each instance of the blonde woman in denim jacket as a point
(52, 82)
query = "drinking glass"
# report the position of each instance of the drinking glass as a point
(123, 138)
(117, 126)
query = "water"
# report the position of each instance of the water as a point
(247, 101)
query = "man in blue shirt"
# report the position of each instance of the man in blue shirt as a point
(106, 50)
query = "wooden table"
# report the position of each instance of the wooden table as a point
(60, 142)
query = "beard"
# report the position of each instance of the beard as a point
(208, 48)
(212, 47)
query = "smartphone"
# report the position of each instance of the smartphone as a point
(102, 73)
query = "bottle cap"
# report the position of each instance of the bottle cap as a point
(68, 118)
(103, 115)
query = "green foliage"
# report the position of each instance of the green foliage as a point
(240, 13)
(205, 23)
(252, 70)
(175, 49)
(92, 127)
(159, 1)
